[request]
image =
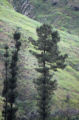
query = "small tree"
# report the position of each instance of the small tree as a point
(5, 89)
(49, 58)
(12, 92)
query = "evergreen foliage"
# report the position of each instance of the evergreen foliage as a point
(49, 58)
(5, 89)
(12, 93)
(10, 82)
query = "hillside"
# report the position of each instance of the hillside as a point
(68, 79)
(63, 14)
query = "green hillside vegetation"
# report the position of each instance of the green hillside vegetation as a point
(68, 79)
(61, 14)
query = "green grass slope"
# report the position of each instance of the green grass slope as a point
(68, 79)
(62, 15)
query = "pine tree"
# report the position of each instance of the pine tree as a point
(5, 89)
(49, 60)
(12, 92)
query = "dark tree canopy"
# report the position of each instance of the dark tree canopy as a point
(6, 80)
(12, 93)
(49, 58)
(10, 82)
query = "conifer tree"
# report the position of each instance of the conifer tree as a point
(49, 60)
(5, 89)
(12, 92)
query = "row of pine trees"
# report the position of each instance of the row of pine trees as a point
(10, 82)
(49, 61)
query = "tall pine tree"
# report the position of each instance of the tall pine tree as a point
(12, 92)
(10, 82)
(5, 88)
(49, 58)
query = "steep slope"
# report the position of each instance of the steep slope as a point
(9, 22)
(63, 14)
(23, 6)
(68, 79)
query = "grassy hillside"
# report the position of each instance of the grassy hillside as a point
(61, 14)
(68, 79)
